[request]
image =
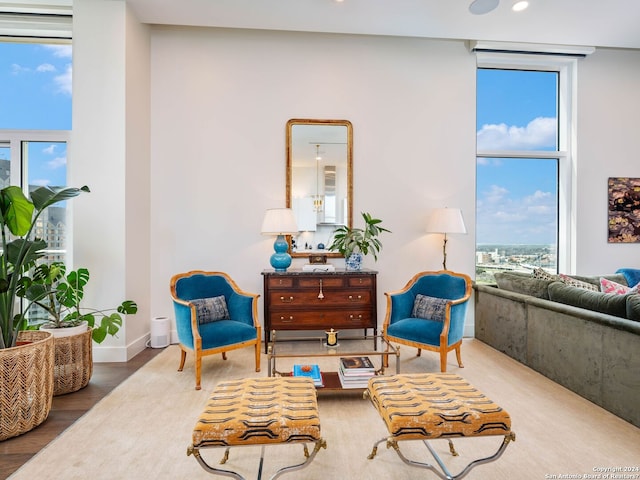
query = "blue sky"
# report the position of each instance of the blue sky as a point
(35, 93)
(516, 199)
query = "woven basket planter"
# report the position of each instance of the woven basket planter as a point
(73, 363)
(26, 383)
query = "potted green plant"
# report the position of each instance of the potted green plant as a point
(25, 393)
(57, 297)
(353, 243)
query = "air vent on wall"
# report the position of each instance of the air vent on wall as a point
(530, 48)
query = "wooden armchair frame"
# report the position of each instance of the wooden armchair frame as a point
(194, 340)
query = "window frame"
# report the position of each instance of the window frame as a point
(566, 67)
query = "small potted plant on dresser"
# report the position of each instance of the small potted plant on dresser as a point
(56, 298)
(353, 243)
(26, 393)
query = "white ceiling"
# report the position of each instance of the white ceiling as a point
(600, 23)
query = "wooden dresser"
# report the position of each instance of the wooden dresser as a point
(297, 300)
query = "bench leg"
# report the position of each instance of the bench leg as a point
(321, 443)
(217, 471)
(444, 472)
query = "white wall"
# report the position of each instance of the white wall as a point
(220, 102)
(608, 146)
(110, 154)
(181, 179)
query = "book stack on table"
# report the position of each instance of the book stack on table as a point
(311, 371)
(355, 372)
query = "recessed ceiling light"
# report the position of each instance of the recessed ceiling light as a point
(519, 6)
(480, 7)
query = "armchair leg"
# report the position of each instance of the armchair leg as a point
(258, 357)
(459, 357)
(183, 357)
(419, 352)
(224, 355)
(443, 360)
(198, 371)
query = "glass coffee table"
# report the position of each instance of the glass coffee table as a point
(283, 354)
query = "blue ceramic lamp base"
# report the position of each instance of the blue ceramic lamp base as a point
(280, 260)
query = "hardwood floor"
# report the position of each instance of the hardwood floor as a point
(66, 409)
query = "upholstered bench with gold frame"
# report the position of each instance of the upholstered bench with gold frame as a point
(259, 411)
(436, 406)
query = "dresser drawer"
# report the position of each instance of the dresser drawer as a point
(299, 299)
(320, 320)
(280, 282)
(317, 282)
(366, 281)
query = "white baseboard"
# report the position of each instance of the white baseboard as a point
(102, 354)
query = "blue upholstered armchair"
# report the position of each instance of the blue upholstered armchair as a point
(429, 313)
(213, 315)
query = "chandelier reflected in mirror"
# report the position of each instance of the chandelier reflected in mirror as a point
(317, 198)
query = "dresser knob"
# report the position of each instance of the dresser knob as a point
(356, 298)
(286, 300)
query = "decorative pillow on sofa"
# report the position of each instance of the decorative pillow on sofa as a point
(609, 286)
(544, 275)
(632, 275)
(211, 309)
(430, 308)
(574, 282)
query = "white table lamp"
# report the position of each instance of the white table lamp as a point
(280, 222)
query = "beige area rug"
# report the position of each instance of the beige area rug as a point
(143, 428)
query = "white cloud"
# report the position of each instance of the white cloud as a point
(17, 69)
(505, 217)
(64, 81)
(41, 182)
(57, 162)
(50, 149)
(538, 134)
(45, 67)
(495, 194)
(60, 51)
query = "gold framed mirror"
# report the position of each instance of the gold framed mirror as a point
(319, 182)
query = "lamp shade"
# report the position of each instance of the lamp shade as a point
(279, 221)
(446, 220)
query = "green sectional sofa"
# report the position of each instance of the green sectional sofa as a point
(587, 341)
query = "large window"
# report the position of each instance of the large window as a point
(35, 96)
(523, 164)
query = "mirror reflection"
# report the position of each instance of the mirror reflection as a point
(319, 182)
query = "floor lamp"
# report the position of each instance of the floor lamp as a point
(446, 220)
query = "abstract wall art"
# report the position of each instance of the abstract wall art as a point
(624, 210)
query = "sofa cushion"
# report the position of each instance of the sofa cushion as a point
(430, 308)
(609, 303)
(633, 307)
(543, 274)
(523, 283)
(575, 282)
(609, 286)
(632, 275)
(211, 309)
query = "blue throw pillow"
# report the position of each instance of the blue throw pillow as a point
(211, 309)
(631, 274)
(430, 308)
